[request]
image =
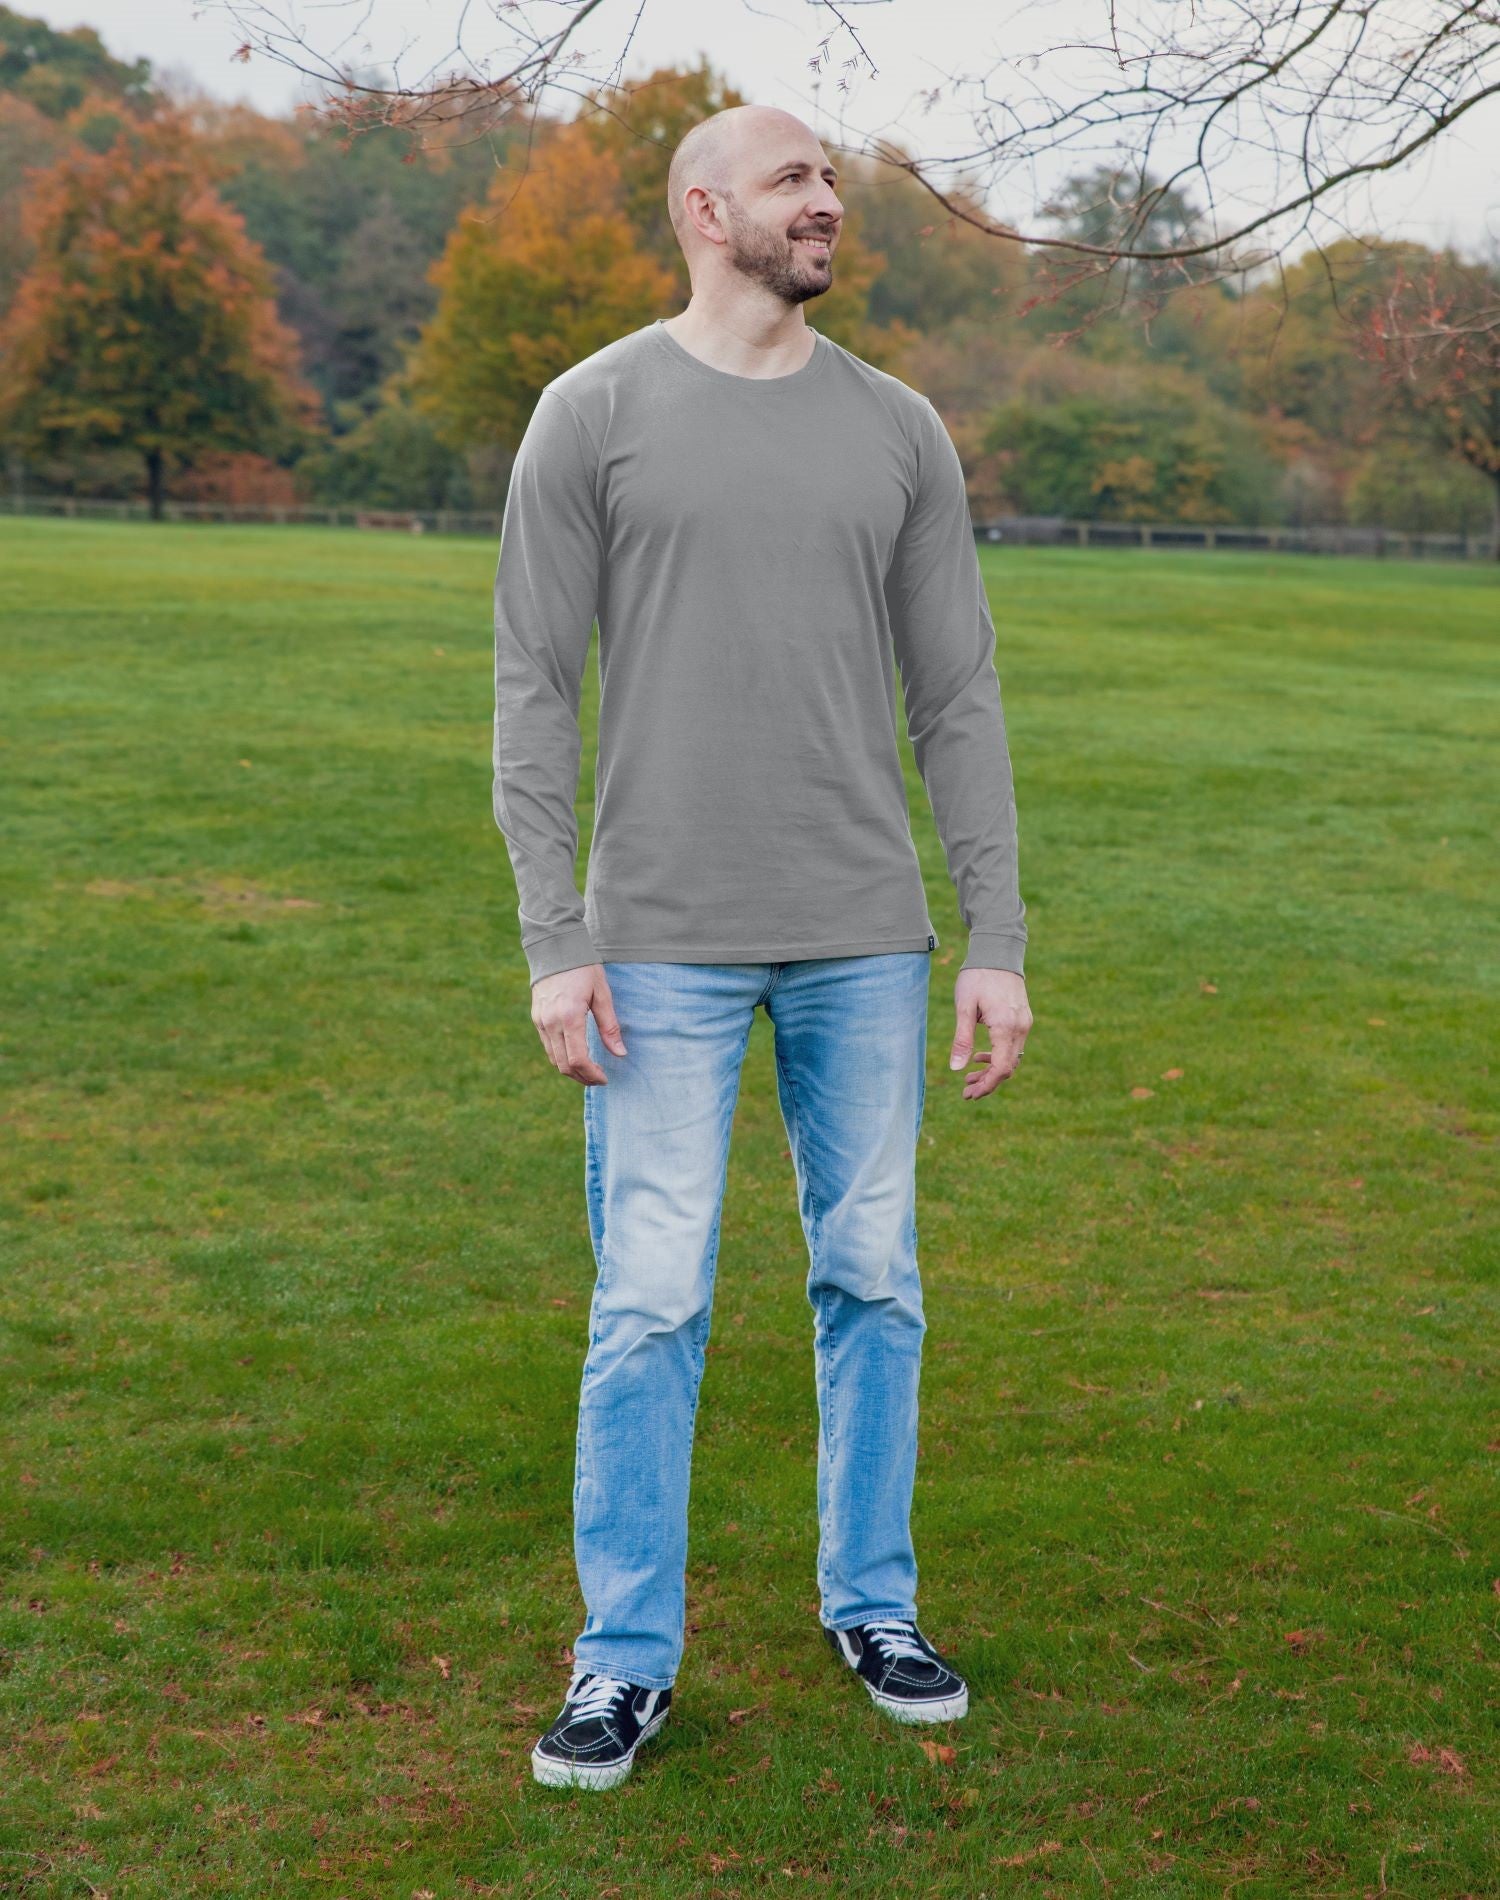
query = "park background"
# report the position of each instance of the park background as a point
(297, 1261)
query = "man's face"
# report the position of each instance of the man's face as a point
(782, 226)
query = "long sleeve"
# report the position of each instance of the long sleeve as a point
(546, 592)
(944, 644)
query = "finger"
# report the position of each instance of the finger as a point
(984, 1083)
(608, 1023)
(579, 1064)
(552, 1044)
(998, 1065)
(963, 1035)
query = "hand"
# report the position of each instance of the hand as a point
(996, 998)
(560, 1006)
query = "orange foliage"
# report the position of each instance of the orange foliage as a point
(229, 476)
(548, 271)
(146, 319)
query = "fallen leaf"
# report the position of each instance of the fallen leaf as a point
(1446, 1759)
(1140, 1095)
(938, 1751)
(1020, 1860)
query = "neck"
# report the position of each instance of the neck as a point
(757, 341)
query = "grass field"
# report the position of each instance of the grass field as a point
(297, 1270)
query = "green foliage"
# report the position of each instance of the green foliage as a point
(352, 231)
(1154, 452)
(56, 70)
(393, 458)
(1416, 490)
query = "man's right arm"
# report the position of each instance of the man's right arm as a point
(546, 595)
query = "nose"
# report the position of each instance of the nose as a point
(824, 203)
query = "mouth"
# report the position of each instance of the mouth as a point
(820, 247)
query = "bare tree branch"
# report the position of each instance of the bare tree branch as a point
(1297, 101)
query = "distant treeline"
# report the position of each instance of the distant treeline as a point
(200, 301)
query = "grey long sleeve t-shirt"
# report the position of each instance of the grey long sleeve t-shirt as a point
(762, 555)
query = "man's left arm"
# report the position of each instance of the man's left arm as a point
(944, 641)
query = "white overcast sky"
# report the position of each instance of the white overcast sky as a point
(765, 48)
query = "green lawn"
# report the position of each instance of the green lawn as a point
(297, 1269)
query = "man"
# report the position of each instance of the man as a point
(767, 528)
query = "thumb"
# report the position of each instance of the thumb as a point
(609, 1024)
(963, 1038)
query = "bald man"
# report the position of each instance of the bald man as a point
(768, 530)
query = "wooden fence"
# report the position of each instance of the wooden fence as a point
(1014, 530)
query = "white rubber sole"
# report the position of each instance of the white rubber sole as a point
(572, 1774)
(951, 1709)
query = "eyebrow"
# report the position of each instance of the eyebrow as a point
(800, 165)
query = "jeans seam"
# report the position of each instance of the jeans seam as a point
(815, 1247)
(705, 1324)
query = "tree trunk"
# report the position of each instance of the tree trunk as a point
(155, 487)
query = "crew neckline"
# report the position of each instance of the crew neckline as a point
(794, 379)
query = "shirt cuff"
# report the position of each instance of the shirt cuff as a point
(993, 950)
(568, 949)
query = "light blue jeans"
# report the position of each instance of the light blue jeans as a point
(851, 1043)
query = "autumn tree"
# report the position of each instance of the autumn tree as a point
(1435, 337)
(146, 319)
(547, 271)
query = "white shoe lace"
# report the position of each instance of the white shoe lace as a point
(597, 1698)
(896, 1639)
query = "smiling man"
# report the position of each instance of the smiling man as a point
(769, 530)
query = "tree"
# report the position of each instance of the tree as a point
(56, 71)
(350, 231)
(638, 128)
(146, 319)
(549, 271)
(1139, 446)
(1436, 338)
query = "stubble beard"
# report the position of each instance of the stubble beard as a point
(774, 261)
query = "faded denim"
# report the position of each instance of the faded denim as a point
(850, 1044)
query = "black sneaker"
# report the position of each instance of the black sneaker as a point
(603, 1722)
(902, 1671)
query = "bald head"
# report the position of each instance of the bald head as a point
(720, 150)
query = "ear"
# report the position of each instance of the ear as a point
(703, 214)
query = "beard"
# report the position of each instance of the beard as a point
(773, 259)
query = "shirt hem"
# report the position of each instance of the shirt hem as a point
(760, 953)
